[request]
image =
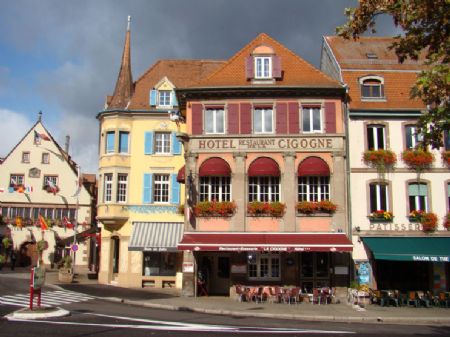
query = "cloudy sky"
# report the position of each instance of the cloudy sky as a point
(62, 57)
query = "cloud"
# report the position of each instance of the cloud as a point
(12, 129)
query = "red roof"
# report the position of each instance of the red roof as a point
(248, 241)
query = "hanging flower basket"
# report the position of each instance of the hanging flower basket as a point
(310, 207)
(214, 209)
(417, 160)
(382, 160)
(446, 158)
(428, 222)
(381, 216)
(447, 221)
(274, 209)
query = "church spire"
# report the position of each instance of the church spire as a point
(124, 85)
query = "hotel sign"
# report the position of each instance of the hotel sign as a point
(268, 143)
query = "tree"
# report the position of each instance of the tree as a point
(426, 30)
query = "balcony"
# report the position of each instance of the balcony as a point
(112, 216)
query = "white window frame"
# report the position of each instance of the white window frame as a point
(215, 121)
(163, 143)
(264, 186)
(374, 134)
(257, 266)
(52, 178)
(122, 187)
(263, 67)
(263, 121)
(26, 157)
(313, 188)
(415, 139)
(163, 100)
(19, 178)
(417, 201)
(215, 186)
(311, 111)
(161, 184)
(379, 196)
(380, 85)
(45, 158)
(107, 187)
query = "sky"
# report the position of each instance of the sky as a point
(62, 57)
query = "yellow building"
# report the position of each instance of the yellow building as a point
(139, 160)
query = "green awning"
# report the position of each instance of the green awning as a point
(436, 249)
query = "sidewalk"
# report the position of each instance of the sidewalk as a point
(169, 299)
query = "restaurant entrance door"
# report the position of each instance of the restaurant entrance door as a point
(216, 269)
(314, 270)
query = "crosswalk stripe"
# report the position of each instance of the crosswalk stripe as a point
(50, 298)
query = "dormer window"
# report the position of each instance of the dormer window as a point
(263, 67)
(372, 87)
(162, 95)
(164, 98)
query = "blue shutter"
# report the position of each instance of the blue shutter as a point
(173, 99)
(176, 145)
(148, 146)
(147, 189)
(175, 195)
(153, 96)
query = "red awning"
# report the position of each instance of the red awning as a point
(264, 167)
(181, 176)
(313, 166)
(215, 167)
(248, 241)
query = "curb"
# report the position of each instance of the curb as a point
(25, 315)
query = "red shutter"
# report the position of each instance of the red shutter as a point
(197, 119)
(293, 118)
(233, 119)
(246, 118)
(281, 118)
(249, 67)
(276, 67)
(330, 117)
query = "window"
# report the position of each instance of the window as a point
(116, 254)
(161, 189)
(162, 142)
(46, 158)
(311, 188)
(109, 145)
(376, 138)
(50, 181)
(447, 140)
(263, 120)
(266, 189)
(311, 119)
(164, 98)
(122, 181)
(159, 264)
(372, 87)
(263, 266)
(124, 137)
(25, 157)
(379, 198)
(214, 121)
(107, 188)
(412, 137)
(418, 197)
(16, 179)
(215, 189)
(263, 67)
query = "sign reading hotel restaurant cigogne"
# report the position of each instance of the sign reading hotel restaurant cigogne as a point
(267, 143)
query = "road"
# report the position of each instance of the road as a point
(96, 317)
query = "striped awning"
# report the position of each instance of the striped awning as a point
(156, 236)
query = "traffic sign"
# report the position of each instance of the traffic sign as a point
(74, 247)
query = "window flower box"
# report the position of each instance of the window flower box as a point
(51, 189)
(312, 207)
(415, 216)
(417, 160)
(382, 160)
(214, 209)
(446, 158)
(274, 209)
(381, 216)
(428, 222)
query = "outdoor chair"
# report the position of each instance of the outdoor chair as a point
(241, 293)
(444, 301)
(424, 299)
(291, 295)
(392, 298)
(317, 296)
(274, 295)
(412, 299)
(402, 298)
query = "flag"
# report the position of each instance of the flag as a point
(38, 136)
(67, 223)
(44, 136)
(20, 189)
(42, 222)
(52, 187)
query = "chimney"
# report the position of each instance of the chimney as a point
(66, 148)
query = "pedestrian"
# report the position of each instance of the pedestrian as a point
(13, 259)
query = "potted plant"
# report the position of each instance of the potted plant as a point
(326, 206)
(447, 221)
(306, 207)
(428, 221)
(381, 160)
(214, 208)
(65, 273)
(418, 159)
(258, 208)
(381, 215)
(414, 216)
(446, 158)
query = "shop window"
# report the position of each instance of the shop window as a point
(46, 158)
(109, 143)
(26, 157)
(265, 189)
(263, 266)
(122, 183)
(418, 197)
(379, 197)
(107, 187)
(161, 188)
(376, 137)
(413, 138)
(214, 121)
(263, 120)
(372, 87)
(215, 188)
(312, 119)
(312, 188)
(159, 264)
(162, 142)
(124, 137)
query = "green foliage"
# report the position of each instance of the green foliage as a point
(2, 259)
(426, 27)
(6, 243)
(67, 261)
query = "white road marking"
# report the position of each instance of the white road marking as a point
(50, 298)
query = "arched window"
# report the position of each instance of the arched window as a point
(264, 180)
(313, 180)
(372, 87)
(215, 180)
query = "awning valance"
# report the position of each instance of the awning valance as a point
(215, 167)
(264, 167)
(156, 236)
(181, 176)
(313, 166)
(256, 241)
(435, 249)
